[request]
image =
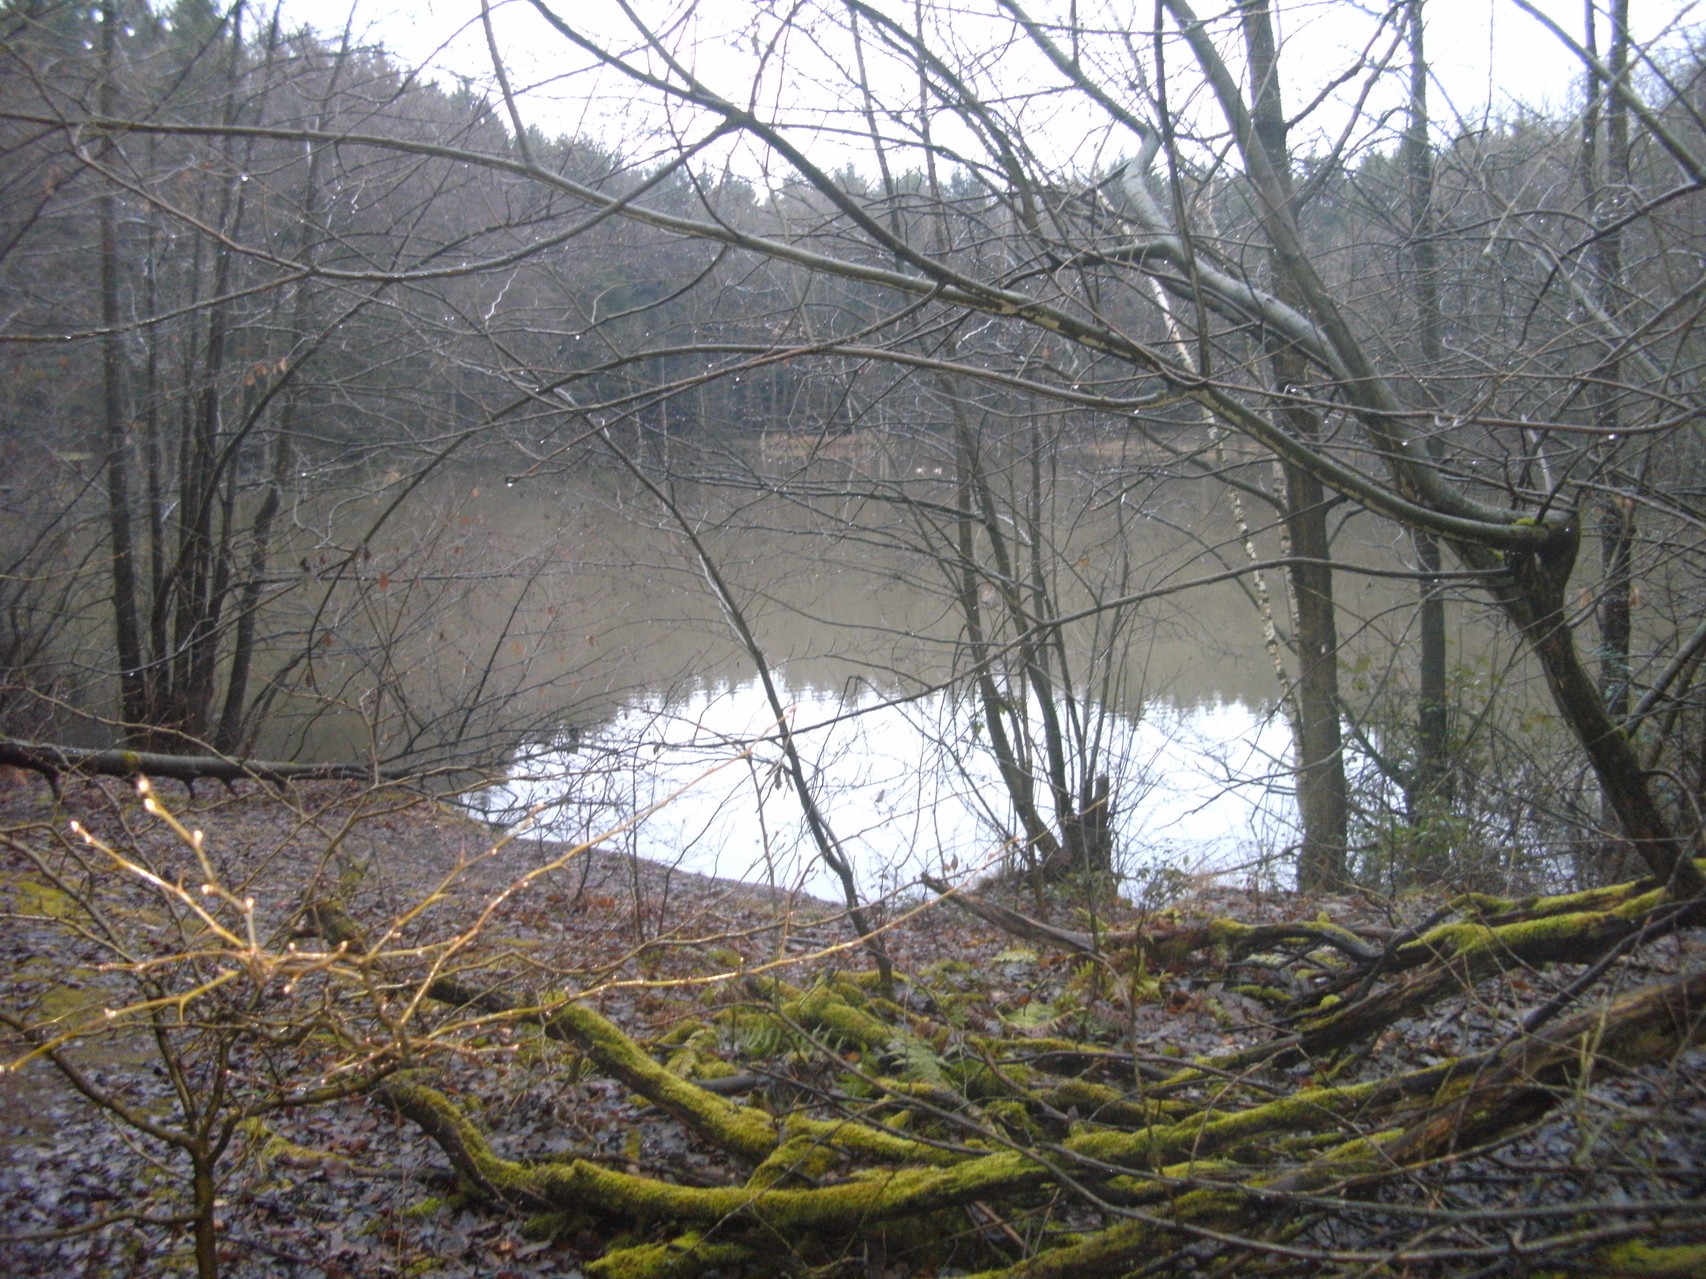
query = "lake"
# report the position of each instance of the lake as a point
(563, 628)
(672, 753)
(908, 788)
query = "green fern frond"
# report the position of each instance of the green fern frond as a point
(916, 1060)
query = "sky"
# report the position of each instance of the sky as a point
(1485, 54)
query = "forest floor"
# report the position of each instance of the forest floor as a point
(348, 1188)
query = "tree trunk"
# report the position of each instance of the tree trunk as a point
(1606, 182)
(1532, 592)
(1322, 796)
(51, 761)
(231, 719)
(1019, 779)
(133, 678)
(1428, 795)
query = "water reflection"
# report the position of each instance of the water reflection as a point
(907, 787)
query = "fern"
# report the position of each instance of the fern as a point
(755, 1034)
(916, 1060)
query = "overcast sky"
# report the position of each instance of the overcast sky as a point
(1484, 54)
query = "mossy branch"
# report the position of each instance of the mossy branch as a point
(1189, 1156)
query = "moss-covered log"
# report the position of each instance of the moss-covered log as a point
(1551, 929)
(1457, 956)
(1198, 1151)
(1528, 1079)
(1467, 1101)
(1160, 943)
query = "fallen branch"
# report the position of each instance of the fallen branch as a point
(918, 1123)
(1649, 1025)
(1159, 944)
(53, 761)
(1464, 1102)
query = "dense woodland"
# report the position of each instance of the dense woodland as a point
(275, 305)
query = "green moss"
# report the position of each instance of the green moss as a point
(879, 1144)
(882, 1193)
(696, 1059)
(1226, 931)
(844, 985)
(1531, 932)
(895, 1015)
(772, 988)
(27, 894)
(68, 996)
(1622, 898)
(267, 1147)
(949, 968)
(786, 1196)
(976, 1079)
(996, 1045)
(823, 1009)
(1482, 904)
(1272, 996)
(1652, 1261)
(1210, 1133)
(1165, 1184)
(679, 1258)
(1640, 904)
(425, 1208)
(866, 980)
(1468, 939)
(554, 1225)
(1102, 1104)
(756, 1032)
(1452, 938)
(1014, 1117)
(801, 1159)
(742, 1130)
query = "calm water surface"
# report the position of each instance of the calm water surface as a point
(673, 751)
(697, 782)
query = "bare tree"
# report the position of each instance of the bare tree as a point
(909, 364)
(263, 370)
(1519, 537)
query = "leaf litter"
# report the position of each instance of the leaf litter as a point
(347, 1190)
